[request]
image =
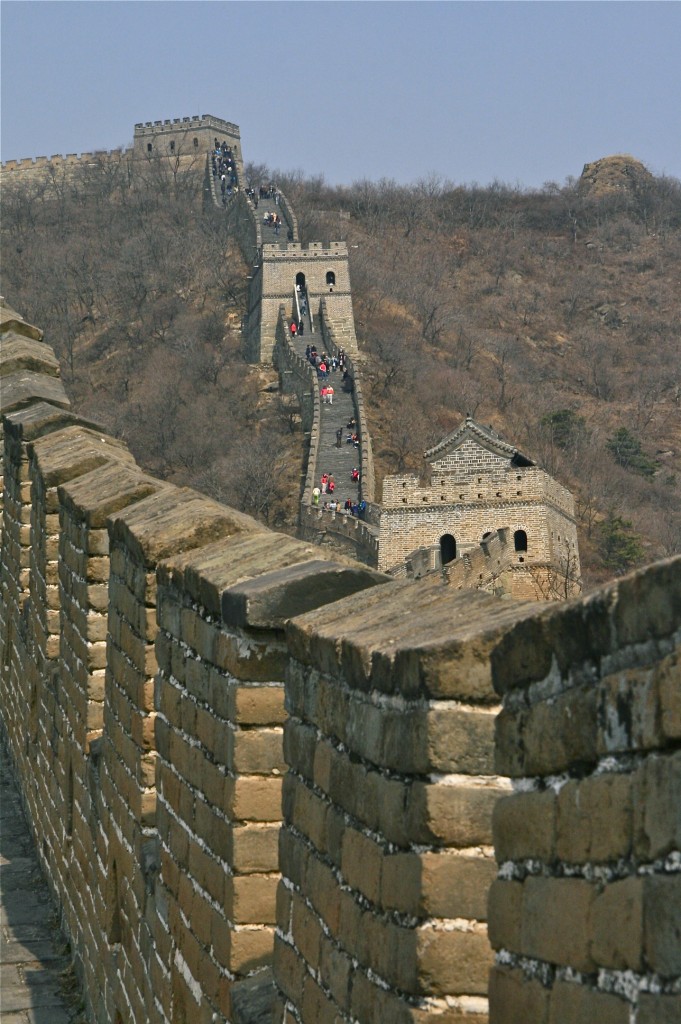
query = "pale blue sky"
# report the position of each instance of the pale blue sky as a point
(521, 92)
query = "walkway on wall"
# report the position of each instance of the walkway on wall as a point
(31, 965)
(333, 460)
(339, 462)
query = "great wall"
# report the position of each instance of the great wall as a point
(267, 782)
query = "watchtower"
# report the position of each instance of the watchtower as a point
(318, 268)
(480, 484)
(187, 137)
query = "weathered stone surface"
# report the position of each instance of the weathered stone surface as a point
(96, 495)
(524, 826)
(274, 597)
(617, 924)
(173, 522)
(19, 352)
(409, 640)
(252, 999)
(22, 387)
(75, 451)
(575, 1004)
(40, 418)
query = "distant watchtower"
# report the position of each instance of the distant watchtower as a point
(318, 268)
(187, 137)
(480, 484)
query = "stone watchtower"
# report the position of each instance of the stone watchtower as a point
(320, 268)
(478, 485)
(187, 138)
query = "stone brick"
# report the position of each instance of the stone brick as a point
(662, 924)
(251, 949)
(452, 962)
(657, 807)
(443, 884)
(262, 705)
(574, 1004)
(550, 737)
(617, 925)
(361, 863)
(595, 819)
(307, 932)
(513, 999)
(669, 676)
(659, 1009)
(524, 826)
(253, 898)
(453, 815)
(505, 915)
(555, 921)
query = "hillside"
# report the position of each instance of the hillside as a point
(555, 316)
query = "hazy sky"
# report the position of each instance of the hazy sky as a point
(521, 92)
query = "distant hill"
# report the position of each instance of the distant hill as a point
(554, 316)
(615, 174)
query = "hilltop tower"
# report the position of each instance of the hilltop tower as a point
(320, 268)
(186, 136)
(479, 484)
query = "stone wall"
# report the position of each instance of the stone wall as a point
(142, 702)
(586, 913)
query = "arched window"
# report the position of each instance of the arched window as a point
(447, 548)
(172, 147)
(196, 143)
(520, 540)
(330, 277)
(149, 147)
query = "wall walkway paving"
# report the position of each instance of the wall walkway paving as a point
(33, 958)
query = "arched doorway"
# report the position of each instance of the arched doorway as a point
(330, 277)
(300, 281)
(520, 540)
(447, 548)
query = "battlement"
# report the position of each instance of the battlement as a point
(40, 163)
(298, 250)
(502, 486)
(145, 128)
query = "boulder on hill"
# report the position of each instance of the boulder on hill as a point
(618, 173)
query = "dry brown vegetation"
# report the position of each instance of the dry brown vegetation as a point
(141, 294)
(555, 316)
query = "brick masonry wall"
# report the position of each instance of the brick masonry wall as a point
(586, 912)
(385, 849)
(143, 708)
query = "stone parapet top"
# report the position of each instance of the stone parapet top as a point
(175, 520)
(260, 579)
(73, 451)
(411, 640)
(20, 352)
(10, 320)
(22, 387)
(93, 497)
(564, 640)
(33, 421)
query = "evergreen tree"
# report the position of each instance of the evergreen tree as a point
(626, 450)
(620, 548)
